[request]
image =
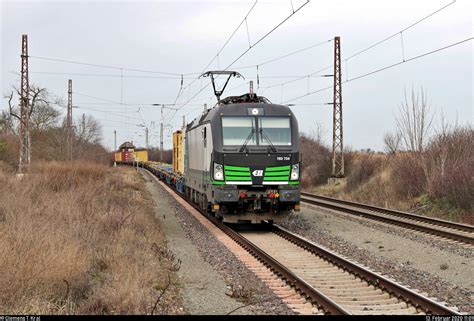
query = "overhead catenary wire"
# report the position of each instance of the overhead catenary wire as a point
(266, 35)
(110, 120)
(400, 31)
(385, 68)
(113, 102)
(98, 98)
(172, 76)
(284, 56)
(250, 48)
(216, 56)
(176, 74)
(370, 46)
(146, 105)
(110, 67)
(314, 73)
(107, 112)
(106, 75)
(69, 74)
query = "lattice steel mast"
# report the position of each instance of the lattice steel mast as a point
(69, 120)
(337, 129)
(24, 133)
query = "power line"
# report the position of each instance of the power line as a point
(68, 74)
(205, 99)
(267, 34)
(410, 59)
(252, 46)
(113, 102)
(111, 121)
(109, 67)
(108, 112)
(284, 56)
(140, 105)
(99, 98)
(106, 75)
(299, 78)
(384, 68)
(399, 32)
(232, 35)
(220, 50)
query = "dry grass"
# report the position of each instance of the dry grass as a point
(436, 182)
(81, 238)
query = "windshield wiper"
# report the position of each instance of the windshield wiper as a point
(268, 139)
(244, 145)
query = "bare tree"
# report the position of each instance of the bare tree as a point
(414, 120)
(44, 117)
(89, 130)
(318, 132)
(37, 96)
(48, 131)
(6, 124)
(392, 142)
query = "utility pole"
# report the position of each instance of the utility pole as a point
(146, 137)
(115, 147)
(24, 134)
(161, 135)
(161, 125)
(69, 120)
(337, 128)
(83, 124)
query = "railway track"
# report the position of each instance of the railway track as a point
(331, 283)
(462, 233)
(355, 289)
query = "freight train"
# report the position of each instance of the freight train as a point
(128, 153)
(239, 161)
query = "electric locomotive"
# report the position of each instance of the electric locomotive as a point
(241, 160)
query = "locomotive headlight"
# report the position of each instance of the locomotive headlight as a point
(295, 172)
(218, 172)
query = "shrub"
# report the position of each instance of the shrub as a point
(362, 167)
(316, 162)
(407, 175)
(448, 162)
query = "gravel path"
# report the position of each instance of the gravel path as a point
(442, 274)
(214, 281)
(422, 238)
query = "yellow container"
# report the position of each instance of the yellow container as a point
(141, 155)
(117, 157)
(178, 152)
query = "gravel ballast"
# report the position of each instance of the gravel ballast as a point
(213, 280)
(443, 274)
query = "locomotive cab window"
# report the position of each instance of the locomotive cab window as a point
(238, 130)
(274, 131)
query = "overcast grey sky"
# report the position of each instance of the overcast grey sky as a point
(181, 37)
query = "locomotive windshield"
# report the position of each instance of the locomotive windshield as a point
(238, 130)
(274, 131)
(243, 131)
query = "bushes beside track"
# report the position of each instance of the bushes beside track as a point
(437, 181)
